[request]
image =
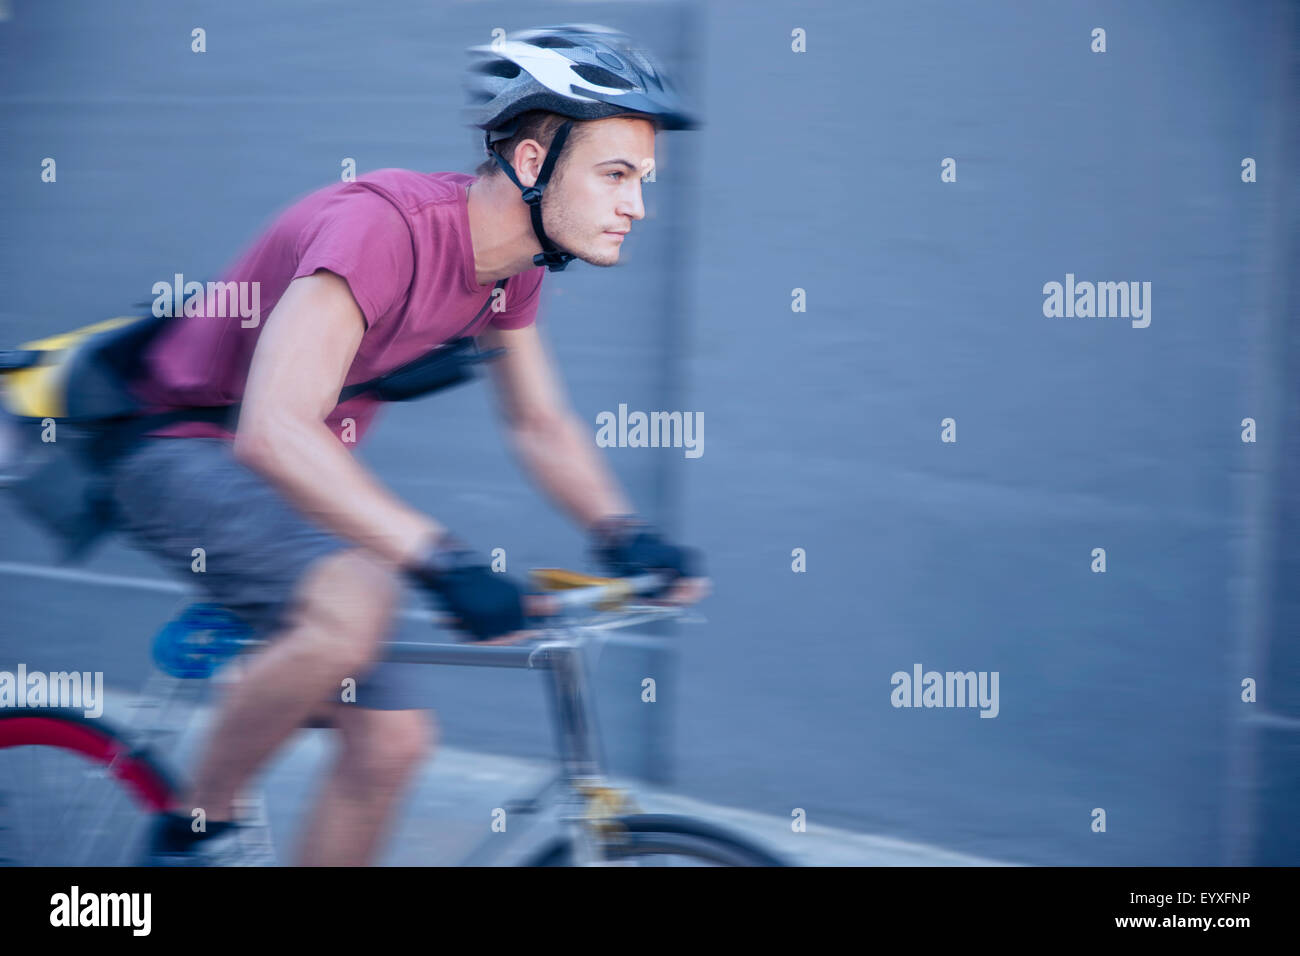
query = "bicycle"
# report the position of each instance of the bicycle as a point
(105, 781)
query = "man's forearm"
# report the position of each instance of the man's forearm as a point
(308, 463)
(563, 460)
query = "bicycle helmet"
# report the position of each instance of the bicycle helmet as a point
(582, 71)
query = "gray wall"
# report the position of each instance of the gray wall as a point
(819, 171)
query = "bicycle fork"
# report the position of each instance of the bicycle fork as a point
(592, 808)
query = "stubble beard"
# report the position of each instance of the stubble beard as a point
(560, 229)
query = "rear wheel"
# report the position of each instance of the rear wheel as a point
(73, 791)
(660, 839)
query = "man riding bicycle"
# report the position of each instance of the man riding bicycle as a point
(298, 537)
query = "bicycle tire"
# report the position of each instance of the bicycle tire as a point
(647, 835)
(92, 754)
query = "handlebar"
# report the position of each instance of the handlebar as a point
(571, 591)
(569, 595)
(204, 636)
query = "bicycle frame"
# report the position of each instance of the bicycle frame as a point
(584, 799)
(588, 807)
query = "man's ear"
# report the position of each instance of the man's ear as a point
(530, 156)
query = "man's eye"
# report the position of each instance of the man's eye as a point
(617, 173)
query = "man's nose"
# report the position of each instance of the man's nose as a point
(631, 205)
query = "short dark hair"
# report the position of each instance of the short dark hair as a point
(535, 124)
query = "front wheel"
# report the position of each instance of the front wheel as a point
(73, 791)
(661, 839)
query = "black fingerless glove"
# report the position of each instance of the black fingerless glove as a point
(488, 604)
(625, 546)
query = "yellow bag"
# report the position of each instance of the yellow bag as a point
(60, 396)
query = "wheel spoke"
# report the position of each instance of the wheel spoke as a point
(60, 807)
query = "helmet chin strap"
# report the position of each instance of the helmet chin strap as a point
(551, 255)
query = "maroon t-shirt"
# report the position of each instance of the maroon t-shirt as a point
(401, 240)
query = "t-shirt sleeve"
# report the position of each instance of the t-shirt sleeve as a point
(362, 237)
(523, 292)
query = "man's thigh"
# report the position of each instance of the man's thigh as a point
(175, 496)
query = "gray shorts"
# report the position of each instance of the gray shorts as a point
(176, 494)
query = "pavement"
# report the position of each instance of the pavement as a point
(450, 809)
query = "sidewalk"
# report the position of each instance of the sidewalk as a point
(451, 807)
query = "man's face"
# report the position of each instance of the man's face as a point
(598, 192)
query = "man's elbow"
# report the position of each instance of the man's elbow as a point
(249, 448)
(258, 439)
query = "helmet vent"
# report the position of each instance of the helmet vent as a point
(502, 68)
(601, 76)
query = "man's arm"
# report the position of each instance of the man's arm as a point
(298, 369)
(557, 448)
(549, 439)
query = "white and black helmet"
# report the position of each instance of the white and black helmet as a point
(579, 70)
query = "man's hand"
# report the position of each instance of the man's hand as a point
(488, 606)
(626, 546)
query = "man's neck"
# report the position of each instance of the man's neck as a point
(500, 230)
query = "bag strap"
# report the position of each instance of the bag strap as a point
(441, 367)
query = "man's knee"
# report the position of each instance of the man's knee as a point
(385, 746)
(346, 603)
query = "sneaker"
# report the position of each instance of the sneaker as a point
(236, 845)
